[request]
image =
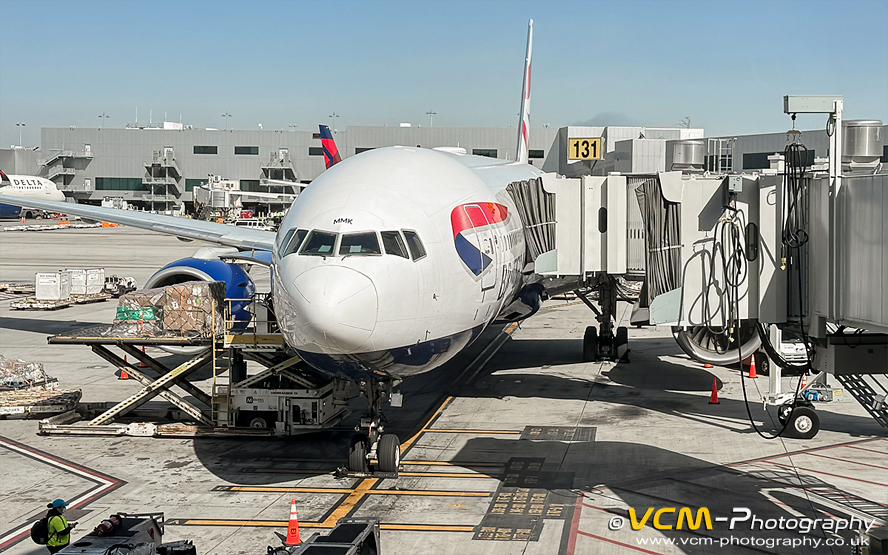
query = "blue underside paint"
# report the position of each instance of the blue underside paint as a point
(398, 362)
(8, 211)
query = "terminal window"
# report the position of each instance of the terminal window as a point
(315, 151)
(535, 154)
(199, 149)
(248, 150)
(250, 185)
(119, 184)
(489, 152)
(190, 184)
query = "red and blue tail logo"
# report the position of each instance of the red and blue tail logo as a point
(331, 153)
(472, 233)
(3, 177)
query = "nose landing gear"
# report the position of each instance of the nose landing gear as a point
(370, 443)
(602, 343)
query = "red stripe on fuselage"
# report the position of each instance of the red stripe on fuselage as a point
(461, 219)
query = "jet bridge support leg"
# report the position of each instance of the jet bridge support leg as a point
(370, 442)
(603, 343)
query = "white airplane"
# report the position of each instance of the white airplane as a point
(387, 266)
(26, 187)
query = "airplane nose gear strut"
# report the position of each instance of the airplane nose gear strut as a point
(370, 443)
(603, 343)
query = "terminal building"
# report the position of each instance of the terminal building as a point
(157, 167)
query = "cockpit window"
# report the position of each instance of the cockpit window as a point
(417, 251)
(319, 243)
(359, 243)
(393, 244)
(291, 241)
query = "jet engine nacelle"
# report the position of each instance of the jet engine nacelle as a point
(206, 266)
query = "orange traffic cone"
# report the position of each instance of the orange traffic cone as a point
(752, 373)
(142, 364)
(293, 528)
(23, 219)
(804, 381)
(713, 399)
(122, 374)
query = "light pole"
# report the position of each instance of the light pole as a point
(333, 116)
(293, 127)
(20, 124)
(226, 115)
(431, 113)
(102, 117)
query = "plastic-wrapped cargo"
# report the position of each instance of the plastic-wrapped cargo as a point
(186, 309)
(18, 374)
(139, 314)
(193, 307)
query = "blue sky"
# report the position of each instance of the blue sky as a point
(724, 64)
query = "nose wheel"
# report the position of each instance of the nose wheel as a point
(370, 443)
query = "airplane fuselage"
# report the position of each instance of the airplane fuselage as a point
(394, 260)
(27, 186)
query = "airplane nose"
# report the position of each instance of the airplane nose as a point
(336, 307)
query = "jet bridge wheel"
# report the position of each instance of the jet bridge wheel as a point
(388, 453)
(804, 423)
(357, 454)
(710, 346)
(590, 344)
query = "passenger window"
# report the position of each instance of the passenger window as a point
(417, 251)
(319, 243)
(393, 244)
(291, 241)
(359, 243)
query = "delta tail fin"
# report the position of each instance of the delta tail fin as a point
(331, 153)
(521, 156)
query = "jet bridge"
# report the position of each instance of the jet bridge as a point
(732, 261)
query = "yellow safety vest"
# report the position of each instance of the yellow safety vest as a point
(58, 531)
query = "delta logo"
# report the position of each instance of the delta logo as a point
(472, 226)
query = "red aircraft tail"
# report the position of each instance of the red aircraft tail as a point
(331, 153)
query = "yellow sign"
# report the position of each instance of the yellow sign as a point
(584, 149)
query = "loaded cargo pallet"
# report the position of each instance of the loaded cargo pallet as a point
(32, 303)
(37, 401)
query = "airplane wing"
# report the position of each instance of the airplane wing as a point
(222, 234)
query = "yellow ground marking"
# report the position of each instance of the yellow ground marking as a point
(440, 431)
(349, 502)
(406, 444)
(453, 463)
(326, 524)
(446, 475)
(361, 490)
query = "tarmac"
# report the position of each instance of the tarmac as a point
(516, 446)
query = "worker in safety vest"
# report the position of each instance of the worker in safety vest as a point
(59, 527)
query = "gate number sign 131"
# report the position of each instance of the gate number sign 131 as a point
(584, 149)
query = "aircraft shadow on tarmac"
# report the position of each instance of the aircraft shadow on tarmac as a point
(43, 327)
(653, 384)
(644, 476)
(632, 392)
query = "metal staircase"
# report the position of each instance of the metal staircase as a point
(869, 398)
(220, 403)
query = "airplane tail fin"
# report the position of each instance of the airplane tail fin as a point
(521, 156)
(3, 178)
(331, 153)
